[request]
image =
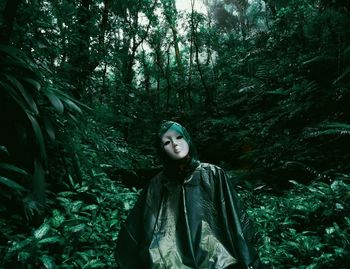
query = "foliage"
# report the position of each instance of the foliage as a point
(278, 83)
(84, 206)
(29, 105)
(80, 231)
(307, 227)
(263, 85)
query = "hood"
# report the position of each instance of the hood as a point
(176, 168)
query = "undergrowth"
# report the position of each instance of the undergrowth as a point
(80, 232)
(307, 227)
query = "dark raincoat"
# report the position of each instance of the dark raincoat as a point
(188, 219)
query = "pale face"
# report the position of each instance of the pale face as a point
(175, 145)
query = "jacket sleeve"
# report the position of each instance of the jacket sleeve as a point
(240, 228)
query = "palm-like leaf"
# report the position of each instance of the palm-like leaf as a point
(21, 88)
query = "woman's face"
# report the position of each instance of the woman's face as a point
(175, 146)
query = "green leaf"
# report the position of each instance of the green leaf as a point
(33, 82)
(42, 231)
(90, 207)
(48, 262)
(23, 256)
(55, 101)
(75, 207)
(13, 168)
(49, 128)
(94, 264)
(57, 218)
(330, 230)
(51, 240)
(16, 246)
(76, 228)
(72, 106)
(10, 183)
(39, 136)
(27, 97)
(67, 193)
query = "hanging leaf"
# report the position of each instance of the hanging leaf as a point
(72, 105)
(33, 82)
(63, 96)
(55, 101)
(13, 168)
(10, 183)
(14, 96)
(49, 128)
(39, 136)
(27, 97)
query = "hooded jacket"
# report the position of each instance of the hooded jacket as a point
(189, 216)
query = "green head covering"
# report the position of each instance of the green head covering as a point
(171, 167)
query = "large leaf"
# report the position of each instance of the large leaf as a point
(63, 96)
(49, 128)
(13, 168)
(26, 95)
(10, 183)
(73, 107)
(55, 101)
(14, 95)
(33, 82)
(39, 136)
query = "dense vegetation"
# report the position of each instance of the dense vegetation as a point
(262, 85)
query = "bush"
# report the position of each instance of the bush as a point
(307, 227)
(80, 232)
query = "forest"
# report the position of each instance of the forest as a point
(262, 85)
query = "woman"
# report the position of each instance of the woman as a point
(189, 216)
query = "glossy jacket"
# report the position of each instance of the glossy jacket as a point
(198, 223)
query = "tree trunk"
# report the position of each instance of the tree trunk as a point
(79, 51)
(208, 103)
(168, 81)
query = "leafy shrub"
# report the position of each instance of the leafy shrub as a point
(80, 231)
(307, 227)
(29, 104)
